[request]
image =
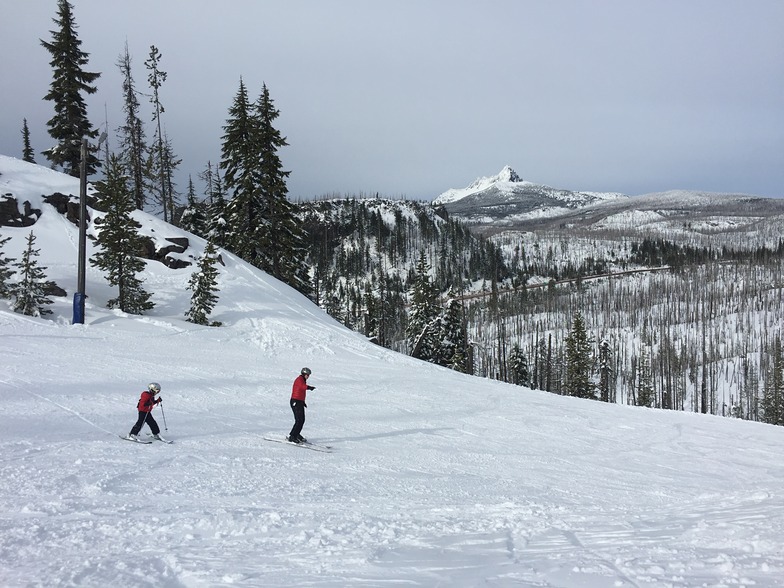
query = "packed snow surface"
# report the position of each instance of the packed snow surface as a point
(436, 479)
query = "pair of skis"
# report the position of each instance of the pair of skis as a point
(305, 445)
(145, 441)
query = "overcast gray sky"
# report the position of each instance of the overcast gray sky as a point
(413, 97)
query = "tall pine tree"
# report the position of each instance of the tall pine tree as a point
(422, 327)
(119, 243)
(132, 144)
(578, 361)
(518, 366)
(28, 154)
(646, 395)
(216, 227)
(240, 159)
(773, 399)
(453, 344)
(262, 226)
(70, 81)
(605, 371)
(282, 245)
(162, 162)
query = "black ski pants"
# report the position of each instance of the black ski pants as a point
(145, 417)
(298, 408)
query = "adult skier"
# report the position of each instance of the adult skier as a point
(146, 403)
(298, 393)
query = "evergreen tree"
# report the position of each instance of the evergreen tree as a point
(162, 161)
(773, 399)
(132, 145)
(28, 154)
(203, 284)
(160, 176)
(70, 81)
(518, 366)
(453, 343)
(194, 217)
(5, 270)
(282, 246)
(240, 156)
(421, 330)
(605, 370)
(263, 227)
(646, 395)
(371, 312)
(216, 227)
(30, 292)
(119, 242)
(578, 361)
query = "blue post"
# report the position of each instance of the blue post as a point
(78, 308)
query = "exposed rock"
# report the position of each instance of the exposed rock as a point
(52, 289)
(9, 213)
(66, 205)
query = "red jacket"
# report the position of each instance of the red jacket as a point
(147, 402)
(300, 388)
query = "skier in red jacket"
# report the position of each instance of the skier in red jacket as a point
(298, 392)
(146, 403)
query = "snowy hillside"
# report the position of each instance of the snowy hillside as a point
(436, 479)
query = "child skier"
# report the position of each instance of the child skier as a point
(298, 406)
(146, 403)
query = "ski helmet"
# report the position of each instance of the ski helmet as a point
(154, 387)
(305, 371)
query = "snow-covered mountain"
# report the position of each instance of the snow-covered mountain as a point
(506, 198)
(505, 202)
(437, 478)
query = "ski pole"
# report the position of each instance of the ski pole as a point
(163, 414)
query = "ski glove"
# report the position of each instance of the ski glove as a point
(311, 387)
(158, 400)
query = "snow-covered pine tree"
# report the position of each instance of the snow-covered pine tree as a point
(578, 361)
(240, 156)
(605, 371)
(646, 396)
(5, 270)
(28, 154)
(453, 345)
(773, 398)
(70, 81)
(30, 291)
(132, 145)
(370, 304)
(421, 330)
(216, 225)
(282, 246)
(262, 226)
(194, 216)
(119, 243)
(518, 366)
(203, 284)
